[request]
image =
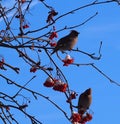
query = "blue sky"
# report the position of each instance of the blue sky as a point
(104, 27)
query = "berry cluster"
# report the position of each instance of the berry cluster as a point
(80, 119)
(68, 60)
(57, 85)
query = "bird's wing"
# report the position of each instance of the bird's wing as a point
(62, 42)
(81, 100)
(84, 103)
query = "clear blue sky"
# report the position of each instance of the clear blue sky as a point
(104, 27)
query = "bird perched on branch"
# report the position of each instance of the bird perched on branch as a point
(84, 101)
(67, 42)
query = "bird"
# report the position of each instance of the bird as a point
(67, 42)
(84, 101)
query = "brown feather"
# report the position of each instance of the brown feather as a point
(67, 42)
(84, 101)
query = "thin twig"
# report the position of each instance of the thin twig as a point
(23, 86)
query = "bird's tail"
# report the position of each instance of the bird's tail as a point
(81, 111)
